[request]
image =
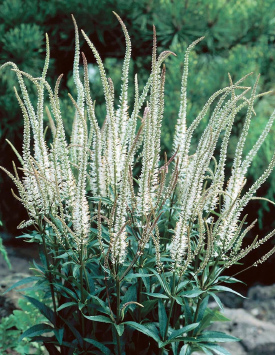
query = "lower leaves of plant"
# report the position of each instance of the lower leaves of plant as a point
(134, 245)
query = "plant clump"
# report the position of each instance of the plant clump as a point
(134, 243)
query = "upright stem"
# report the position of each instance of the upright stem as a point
(82, 288)
(139, 298)
(118, 343)
(118, 313)
(118, 299)
(197, 312)
(49, 272)
(170, 215)
(131, 265)
(211, 272)
(170, 310)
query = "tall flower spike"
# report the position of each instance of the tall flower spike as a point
(180, 130)
(81, 215)
(123, 100)
(113, 159)
(77, 130)
(97, 177)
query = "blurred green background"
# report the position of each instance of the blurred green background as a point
(239, 38)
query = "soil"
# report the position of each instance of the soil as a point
(20, 256)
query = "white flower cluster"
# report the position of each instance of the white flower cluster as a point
(99, 161)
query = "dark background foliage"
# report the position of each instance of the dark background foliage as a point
(240, 38)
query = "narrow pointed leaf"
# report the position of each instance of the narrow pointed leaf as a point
(183, 330)
(65, 305)
(156, 295)
(213, 337)
(36, 330)
(185, 350)
(22, 282)
(45, 310)
(141, 328)
(162, 318)
(101, 319)
(224, 288)
(219, 350)
(98, 345)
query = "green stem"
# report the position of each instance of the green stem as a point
(118, 313)
(118, 299)
(48, 271)
(118, 342)
(211, 272)
(130, 266)
(170, 215)
(167, 324)
(170, 311)
(197, 313)
(139, 298)
(82, 289)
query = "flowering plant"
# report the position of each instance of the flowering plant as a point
(133, 246)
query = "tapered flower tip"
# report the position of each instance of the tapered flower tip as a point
(117, 16)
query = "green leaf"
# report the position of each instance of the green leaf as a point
(206, 351)
(216, 337)
(179, 300)
(229, 279)
(119, 328)
(181, 286)
(181, 331)
(99, 345)
(219, 317)
(224, 288)
(3, 252)
(38, 267)
(219, 350)
(149, 305)
(75, 332)
(217, 299)
(162, 282)
(187, 312)
(185, 350)
(192, 293)
(162, 319)
(132, 275)
(64, 255)
(65, 305)
(67, 292)
(145, 279)
(44, 309)
(175, 347)
(205, 322)
(101, 319)
(143, 329)
(210, 317)
(22, 282)
(37, 329)
(131, 294)
(101, 303)
(202, 308)
(59, 335)
(156, 295)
